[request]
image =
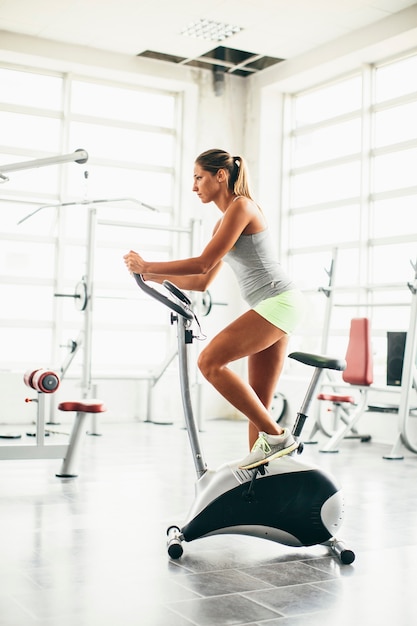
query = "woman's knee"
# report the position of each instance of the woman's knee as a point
(207, 363)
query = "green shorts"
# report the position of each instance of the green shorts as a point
(284, 311)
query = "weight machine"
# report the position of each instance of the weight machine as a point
(83, 297)
(408, 381)
(319, 423)
(47, 381)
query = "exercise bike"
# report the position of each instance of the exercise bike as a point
(286, 501)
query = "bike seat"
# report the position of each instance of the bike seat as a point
(319, 360)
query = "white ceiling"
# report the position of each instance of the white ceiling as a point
(276, 28)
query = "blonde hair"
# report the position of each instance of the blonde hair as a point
(238, 178)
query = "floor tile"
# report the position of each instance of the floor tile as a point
(92, 551)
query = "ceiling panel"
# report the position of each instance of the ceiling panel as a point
(275, 28)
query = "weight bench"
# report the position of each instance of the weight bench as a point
(45, 382)
(349, 407)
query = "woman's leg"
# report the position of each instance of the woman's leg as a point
(253, 336)
(264, 370)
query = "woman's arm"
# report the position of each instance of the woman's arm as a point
(191, 282)
(234, 221)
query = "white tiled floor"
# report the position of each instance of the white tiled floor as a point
(92, 551)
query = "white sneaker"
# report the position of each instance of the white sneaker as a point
(269, 447)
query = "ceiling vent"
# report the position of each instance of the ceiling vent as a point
(208, 29)
(220, 59)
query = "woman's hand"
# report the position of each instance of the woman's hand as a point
(134, 262)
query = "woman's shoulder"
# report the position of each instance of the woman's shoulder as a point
(254, 214)
(243, 199)
(243, 203)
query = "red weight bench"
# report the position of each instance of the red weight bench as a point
(349, 407)
(45, 382)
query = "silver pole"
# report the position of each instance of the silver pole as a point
(409, 377)
(329, 293)
(79, 156)
(199, 463)
(88, 314)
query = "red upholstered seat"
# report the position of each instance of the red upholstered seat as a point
(330, 397)
(83, 406)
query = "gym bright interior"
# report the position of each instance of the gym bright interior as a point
(103, 108)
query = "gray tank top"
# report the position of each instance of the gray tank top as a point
(259, 274)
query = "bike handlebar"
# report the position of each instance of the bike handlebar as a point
(181, 307)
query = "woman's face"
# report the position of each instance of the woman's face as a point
(206, 185)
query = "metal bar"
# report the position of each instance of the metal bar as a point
(311, 391)
(172, 229)
(33, 451)
(79, 156)
(331, 445)
(328, 292)
(156, 376)
(88, 313)
(40, 419)
(57, 205)
(199, 463)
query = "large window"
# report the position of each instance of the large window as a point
(352, 200)
(132, 137)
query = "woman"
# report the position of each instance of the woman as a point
(242, 239)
